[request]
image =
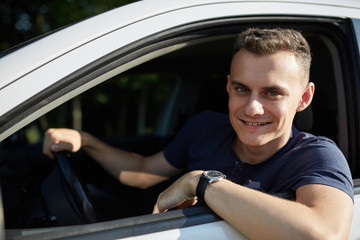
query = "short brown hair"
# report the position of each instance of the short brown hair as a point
(268, 41)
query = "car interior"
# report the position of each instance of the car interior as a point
(141, 110)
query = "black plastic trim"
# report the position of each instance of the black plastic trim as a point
(356, 186)
(127, 227)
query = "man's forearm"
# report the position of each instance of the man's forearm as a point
(259, 215)
(129, 168)
(320, 212)
(114, 160)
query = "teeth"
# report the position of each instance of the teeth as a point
(255, 124)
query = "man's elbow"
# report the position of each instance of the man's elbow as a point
(330, 233)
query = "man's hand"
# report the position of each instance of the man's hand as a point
(181, 193)
(62, 139)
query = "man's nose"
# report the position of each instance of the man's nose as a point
(254, 106)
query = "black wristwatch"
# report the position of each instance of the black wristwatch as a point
(207, 177)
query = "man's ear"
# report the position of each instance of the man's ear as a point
(306, 97)
(228, 85)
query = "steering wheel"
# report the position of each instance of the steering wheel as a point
(77, 189)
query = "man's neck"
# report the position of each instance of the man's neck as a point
(256, 154)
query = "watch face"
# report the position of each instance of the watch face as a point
(213, 175)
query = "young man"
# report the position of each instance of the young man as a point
(256, 147)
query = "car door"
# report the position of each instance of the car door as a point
(188, 48)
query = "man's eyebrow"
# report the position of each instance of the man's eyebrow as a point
(276, 88)
(234, 82)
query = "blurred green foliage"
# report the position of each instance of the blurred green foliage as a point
(22, 20)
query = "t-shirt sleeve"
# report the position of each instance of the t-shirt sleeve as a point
(325, 165)
(176, 152)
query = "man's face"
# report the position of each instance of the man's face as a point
(265, 92)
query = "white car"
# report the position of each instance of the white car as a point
(132, 76)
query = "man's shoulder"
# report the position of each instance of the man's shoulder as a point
(301, 137)
(203, 123)
(316, 150)
(209, 118)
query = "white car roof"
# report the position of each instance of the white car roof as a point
(50, 47)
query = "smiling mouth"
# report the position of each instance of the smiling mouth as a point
(255, 123)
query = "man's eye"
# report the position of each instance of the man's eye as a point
(273, 93)
(242, 89)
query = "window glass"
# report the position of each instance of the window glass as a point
(127, 105)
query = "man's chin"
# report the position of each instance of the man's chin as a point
(253, 142)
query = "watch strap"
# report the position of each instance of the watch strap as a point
(201, 187)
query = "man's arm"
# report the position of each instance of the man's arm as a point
(319, 212)
(130, 168)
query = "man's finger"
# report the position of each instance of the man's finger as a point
(62, 146)
(156, 210)
(187, 203)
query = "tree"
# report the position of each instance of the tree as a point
(22, 20)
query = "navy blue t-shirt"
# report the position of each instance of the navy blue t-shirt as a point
(205, 142)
